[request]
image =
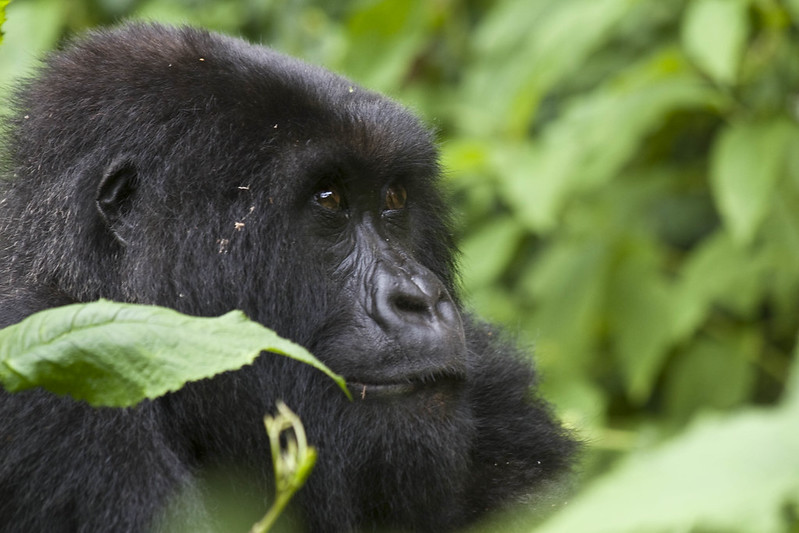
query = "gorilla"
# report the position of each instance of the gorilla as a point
(178, 167)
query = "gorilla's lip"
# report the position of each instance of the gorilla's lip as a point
(373, 389)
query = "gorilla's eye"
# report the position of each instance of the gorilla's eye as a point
(329, 198)
(395, 197)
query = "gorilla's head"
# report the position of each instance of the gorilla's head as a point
(186, 169)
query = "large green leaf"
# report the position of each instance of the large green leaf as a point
(747, 162)
(119, 354)
(714, 34)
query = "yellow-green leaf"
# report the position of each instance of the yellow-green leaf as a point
(3, 4)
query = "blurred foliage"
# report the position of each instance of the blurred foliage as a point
(627, 173)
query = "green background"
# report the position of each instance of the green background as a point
(627, 180)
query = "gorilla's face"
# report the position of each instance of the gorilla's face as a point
(395, 331)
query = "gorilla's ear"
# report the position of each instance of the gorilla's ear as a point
(115, 196)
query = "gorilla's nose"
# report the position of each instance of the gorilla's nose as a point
(416, 296)
(413, 306)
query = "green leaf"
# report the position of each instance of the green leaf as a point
(119, 354)
(642, 306)
(730, 474)
(747, 161)
(3, 4)
(568, 286)
(488, 251)
(712, 373)
(714, 35)
(717, 270)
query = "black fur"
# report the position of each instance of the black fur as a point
(186, 169)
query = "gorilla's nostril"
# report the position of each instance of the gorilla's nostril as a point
(405, 303)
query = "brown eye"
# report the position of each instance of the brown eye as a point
(395, 197)
(329, 198)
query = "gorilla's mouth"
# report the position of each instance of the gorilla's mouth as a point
(373, 390)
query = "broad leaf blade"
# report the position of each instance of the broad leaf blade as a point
(714, 34)
(119, 354)
(746, 165)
